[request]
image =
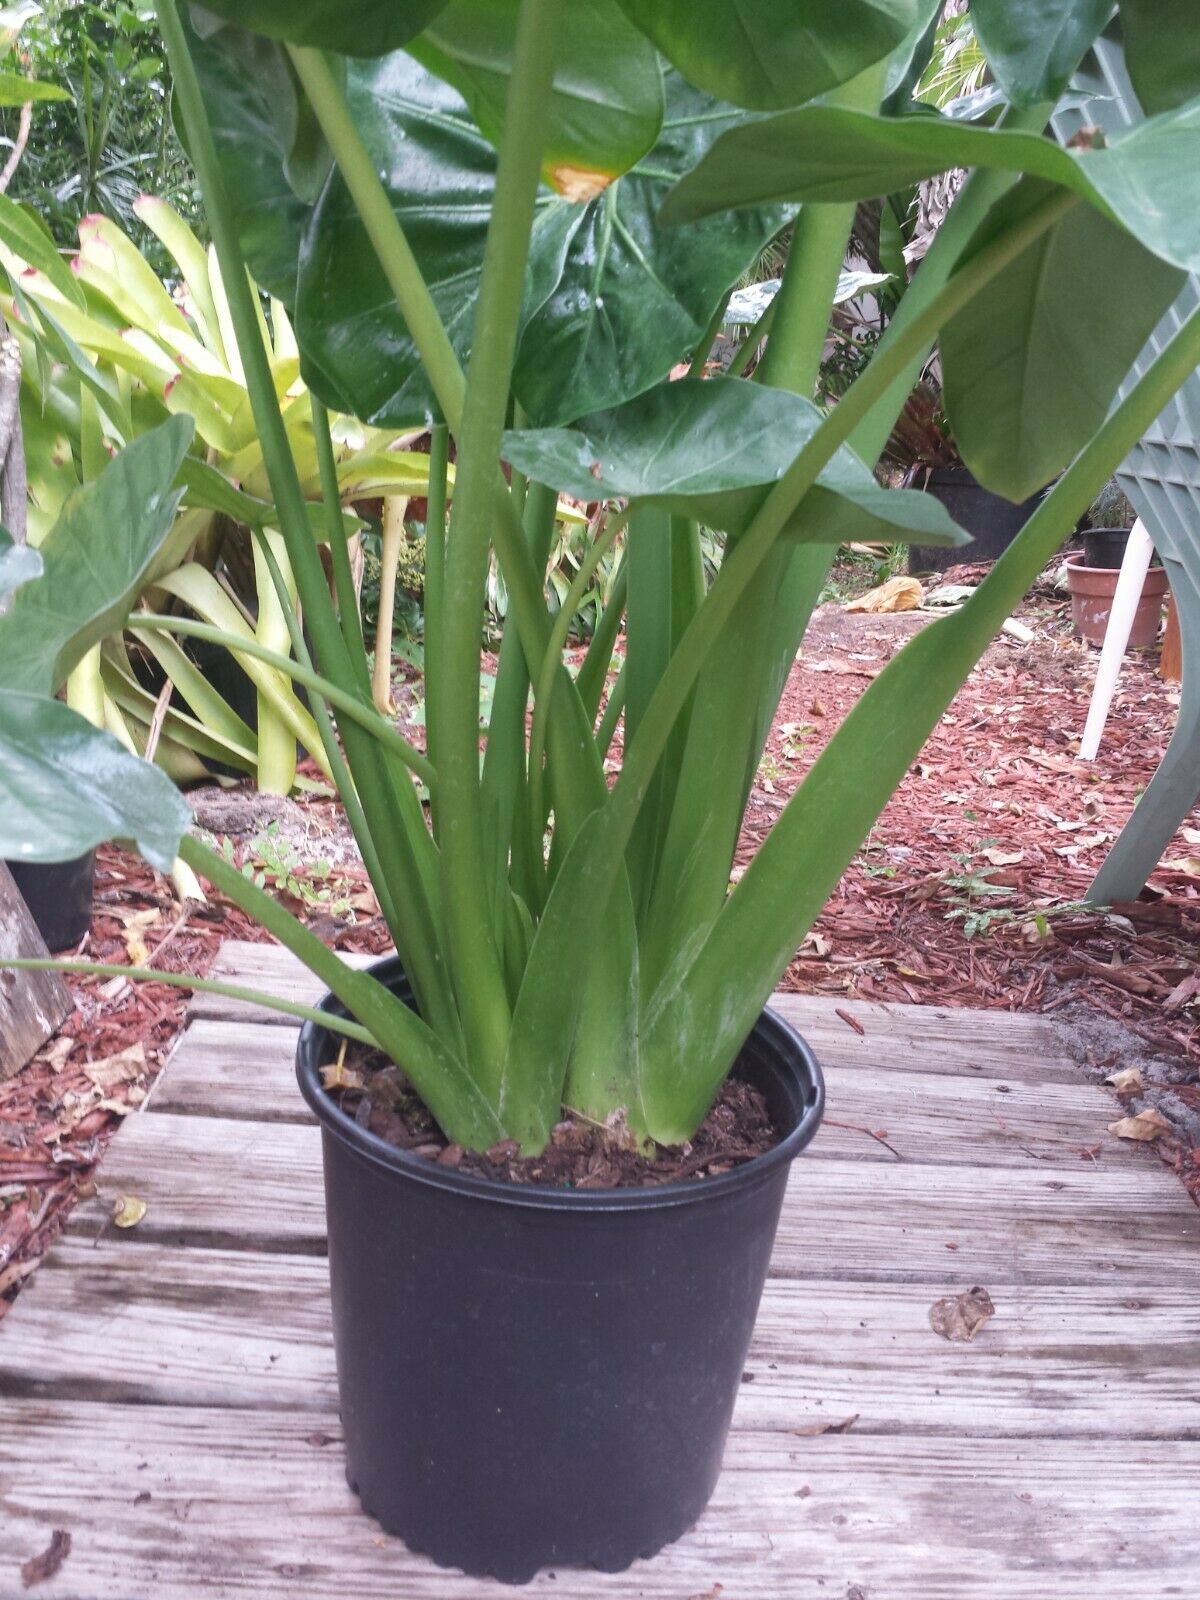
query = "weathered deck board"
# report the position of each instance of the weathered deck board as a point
(246, 1071)
(257, 1185)
(167, 1394)
(191, 1501)
(252, 1331)
(905, 1038)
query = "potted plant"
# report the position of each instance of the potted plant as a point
(1092, 573)
(531, 216)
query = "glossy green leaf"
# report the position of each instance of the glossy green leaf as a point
(16, 90)
(1148, 178)
(711, 450)
(607, 107)
(1162, 51)
(613, 300)
(350, 27)
(66, 787)
(773, 53)
(26, 235)
(95, 561)
(1032, 364)
(1033, 46)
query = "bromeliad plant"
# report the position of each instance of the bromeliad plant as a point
(519, 216)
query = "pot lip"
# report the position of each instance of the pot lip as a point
(1075, 563)
(402, 1163)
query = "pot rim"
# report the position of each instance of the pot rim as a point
(688, 1191)
(1075, 562)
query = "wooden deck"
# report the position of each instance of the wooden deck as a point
(167, 1392)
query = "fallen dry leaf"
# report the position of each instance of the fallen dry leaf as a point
(1128, 1081)
(137, 924)
(338, 1076)
(1002, 858)
(816, 1429)
(897, 594)
(125, 1067)
(1188, 864)
(1146, 1126)
(38, 1568)
(960, 1316)
(128, 1210)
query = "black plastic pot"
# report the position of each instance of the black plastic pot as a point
(533, 1377)
(59, 897)
(1104, 547)
(992, 521)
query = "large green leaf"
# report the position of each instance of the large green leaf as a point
(613, 300)
(1162, 51)
(1033, 46)
(351, 27)
(263, 137)
(18, 564)
(1147, 179)
(1032, 364)
(606, 110)
(711, 450)
(66, 786)
(95, 561)
(772, 53)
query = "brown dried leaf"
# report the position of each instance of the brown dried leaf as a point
(960, 1316)
(1128, 1081)
(125, 1067)
(1002, 858)
(38, 1568)
(1146, 1126)
(897, 594)
(137, 924)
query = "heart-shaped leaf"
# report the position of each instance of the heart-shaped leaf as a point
(613, 300)
(1162, 51)
(712, 450)
(95, 561)
(773, 53)
(351, 27)
(18, 564)
(1031, 366)
(606, 110)
(1033, 46)
(1147, 179)
(66, 787)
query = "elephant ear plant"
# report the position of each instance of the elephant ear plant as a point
(518, 217)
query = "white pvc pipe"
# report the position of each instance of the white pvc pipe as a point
(1134, 568)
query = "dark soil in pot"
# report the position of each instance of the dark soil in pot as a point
(536, 1376)
(59, 897)
(992, 521)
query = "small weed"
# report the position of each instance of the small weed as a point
(275, 862)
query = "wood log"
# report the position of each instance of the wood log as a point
(33, 1005)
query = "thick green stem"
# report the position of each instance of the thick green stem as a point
(339, 554)
(593, 674)
(435, 581)
(185, 980)
(437, 1074)
(474, 947)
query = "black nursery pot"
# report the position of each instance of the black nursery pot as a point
(992, 521)
(536, 1377)
(1104, 547)
(59, 897)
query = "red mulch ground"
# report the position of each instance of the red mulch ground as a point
(999, 775)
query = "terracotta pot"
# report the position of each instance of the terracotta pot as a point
(1092, 589)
